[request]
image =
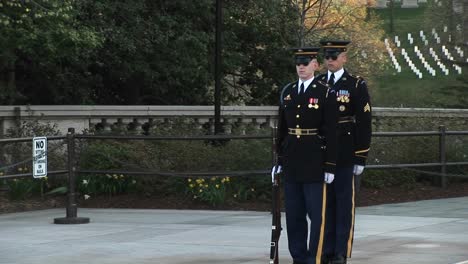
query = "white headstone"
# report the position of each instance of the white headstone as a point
(409, 4)
(381, 4)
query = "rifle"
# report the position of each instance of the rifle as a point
(276, 209)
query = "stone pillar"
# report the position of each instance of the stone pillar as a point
(211, 126)
(227, 126)
(136, 127)
(119, 126)
(105, 125)
(150, 125)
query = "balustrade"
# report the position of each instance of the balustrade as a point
(235, 119)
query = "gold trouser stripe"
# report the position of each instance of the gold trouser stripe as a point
(318, 257)
(351, 230)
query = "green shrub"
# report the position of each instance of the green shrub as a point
(109, 184)
(20, 154)
(387, 178)
(177, 156)
(106, 155)
(23, 188)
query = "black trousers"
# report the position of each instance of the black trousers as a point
(339, 226)
(302, 201)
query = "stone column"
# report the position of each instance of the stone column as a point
(119, 126)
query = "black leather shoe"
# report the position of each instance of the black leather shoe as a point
(338, 260)
(326, 259)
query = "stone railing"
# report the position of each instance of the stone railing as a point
(140, 118)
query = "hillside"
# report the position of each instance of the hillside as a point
(420, 71)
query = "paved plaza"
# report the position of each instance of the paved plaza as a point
(426, 232)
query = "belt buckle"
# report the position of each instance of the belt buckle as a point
(298, 132)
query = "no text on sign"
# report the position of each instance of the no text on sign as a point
(39, 155)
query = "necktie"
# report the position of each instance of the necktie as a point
(331, 81)
(301, 91)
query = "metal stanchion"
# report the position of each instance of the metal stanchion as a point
(72, 207)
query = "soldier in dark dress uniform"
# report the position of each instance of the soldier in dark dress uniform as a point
(307, 155)
(354, 137)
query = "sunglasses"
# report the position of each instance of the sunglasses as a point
(332, 57)
(302, 63)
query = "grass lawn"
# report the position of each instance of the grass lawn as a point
(405, 20)
(406, 90)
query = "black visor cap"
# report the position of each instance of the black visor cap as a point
(303, 60)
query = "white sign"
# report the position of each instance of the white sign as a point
(39, 154)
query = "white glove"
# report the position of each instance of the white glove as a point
(329, 177)
(275, 170)
(358, 169)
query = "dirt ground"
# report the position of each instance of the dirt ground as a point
(365, 197)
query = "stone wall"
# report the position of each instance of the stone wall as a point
(140, 118)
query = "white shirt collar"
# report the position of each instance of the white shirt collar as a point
(337, 74)
(306, 84)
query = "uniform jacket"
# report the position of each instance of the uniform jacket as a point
(305, 158)
(354, 119)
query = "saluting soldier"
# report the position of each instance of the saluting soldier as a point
(354, 137)
(307, 155)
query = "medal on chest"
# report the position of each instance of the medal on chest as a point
(313, 103)
(342, 96)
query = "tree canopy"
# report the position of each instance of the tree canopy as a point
(161, 52)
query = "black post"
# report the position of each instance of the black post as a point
(442, 157)
(218, 66)
(72, 207)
